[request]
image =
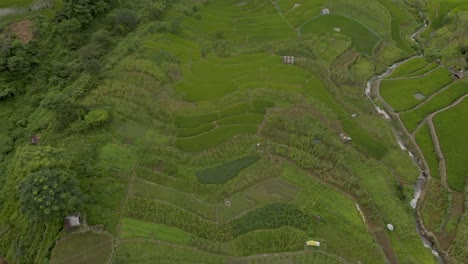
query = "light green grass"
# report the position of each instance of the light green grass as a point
(409, 67)
(434, 208)
(363, 39)
(153, 252)
(189, 132)
(342, 223)
(260, 22)
(424, 141)
(234, 110)
(412, 118)
(82, 248)
(194, 121)
(242, 119)
(451, 126)
(214, 137)
(429, 67)
(133, 228)
(117, 156)
(215, 77)
(380, 185)
(399, 94)
(14, 3)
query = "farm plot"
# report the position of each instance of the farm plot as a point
(338, 221)
(439, 9)
(436, 206)
(409, 67)
(363, 39)
(225, 172)
(147, 251)
(264, 192)
(132, 228)
(451, 126)
(404, 240)
(82, 248)
(401, 93)
(412, 118)
(260, 21)
(424, 140)
(199, 132)
(213, 137)
(210, 79)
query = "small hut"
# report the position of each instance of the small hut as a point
(325, 11)
(459, 74)
(72, 221)
(345, 138)
(288, 59)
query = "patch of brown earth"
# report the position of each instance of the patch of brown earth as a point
(445, 238)
(382, 239)
(23, 30)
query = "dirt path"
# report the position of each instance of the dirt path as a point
(435, 140)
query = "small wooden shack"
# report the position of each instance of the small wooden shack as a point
(325, 11)
(345, 138)
(459, 74)
(72, 221)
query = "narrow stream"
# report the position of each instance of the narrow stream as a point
(373, 84)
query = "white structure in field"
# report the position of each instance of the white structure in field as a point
(390, 227)
(325, 11)
(288, 59)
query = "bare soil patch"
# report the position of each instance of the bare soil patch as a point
(23, 30)
(386, 246)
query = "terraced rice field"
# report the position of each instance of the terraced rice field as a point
(400, 94)
(451, 126)
(364, 40)
(446, 97)
(238, 155)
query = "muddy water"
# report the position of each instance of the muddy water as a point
(373, 84)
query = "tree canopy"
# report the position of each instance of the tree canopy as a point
(47, 193)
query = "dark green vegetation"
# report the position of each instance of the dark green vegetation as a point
(175, 126)
(225, 172)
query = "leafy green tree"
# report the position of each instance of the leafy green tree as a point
(125, 21)
(64, 109)
(47, 194)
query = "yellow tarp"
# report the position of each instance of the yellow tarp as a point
(313, 243)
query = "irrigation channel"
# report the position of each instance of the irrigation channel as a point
(372, 92)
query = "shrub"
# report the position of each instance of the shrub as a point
(97, 117)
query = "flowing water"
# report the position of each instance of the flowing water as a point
(373, 84)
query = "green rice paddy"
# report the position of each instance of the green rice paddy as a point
(451, 126)
(364, 40)
(412, 118)
(400, 93)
